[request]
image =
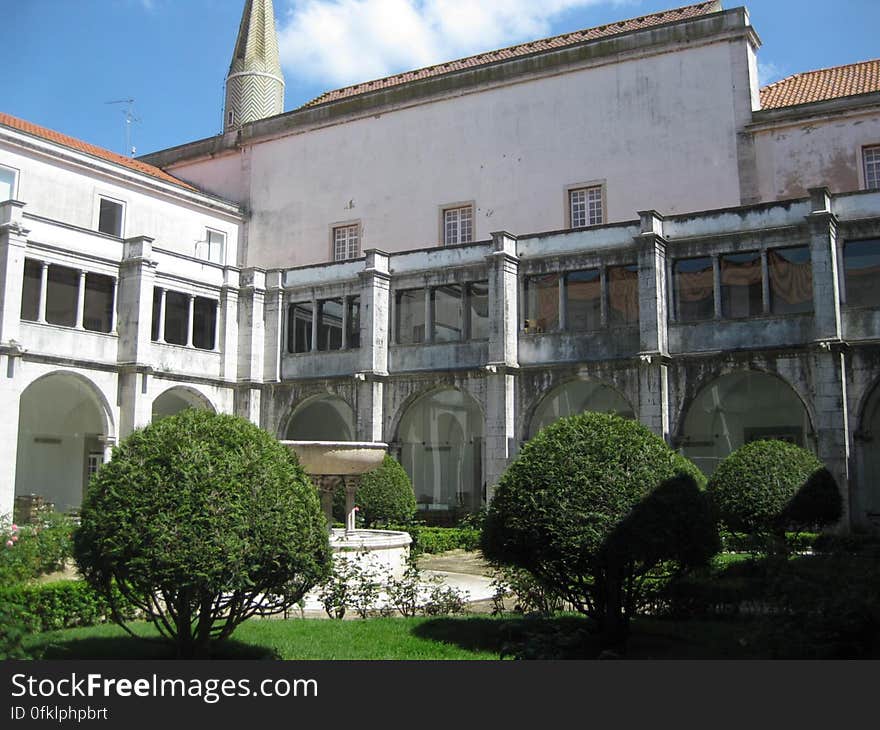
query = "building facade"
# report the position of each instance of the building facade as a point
(365, 267)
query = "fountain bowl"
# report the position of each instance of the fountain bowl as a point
(339, 458)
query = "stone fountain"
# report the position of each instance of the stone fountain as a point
(335, 464)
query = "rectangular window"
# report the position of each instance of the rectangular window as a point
(299, 327)
(204, 323)
(346, 242)
(871, 157)
(623, 295)
(110, 217)
(410, 316)
(98, 306)
(861, 266)
(791, 280)
(458, 225)
(330, 324)
(694, 286)
(447, 313)
(7, 184)
(478, 309)
(585, 206)
(583, 300)
(741, 287)
(62, 292)
(213, 248)
(157, 304)
(354, 322)
(176, 317)
(542, 303)
(30, 294)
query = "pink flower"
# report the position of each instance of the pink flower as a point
(15, 538)
(9, 543)
(15, 528)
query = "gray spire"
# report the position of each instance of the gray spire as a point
(255, 83)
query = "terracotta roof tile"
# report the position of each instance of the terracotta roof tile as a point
(825, 83)
(523, 49)
(7, 120)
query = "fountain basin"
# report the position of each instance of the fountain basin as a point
(384, 550)
(339, 458)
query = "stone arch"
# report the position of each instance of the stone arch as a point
(867, 453)
(576, 396)
(65, 430)
(321, 417)
(738, 406)
(439, 437)
(177, 398)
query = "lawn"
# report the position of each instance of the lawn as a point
(472, 637)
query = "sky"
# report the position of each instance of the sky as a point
(71, 64)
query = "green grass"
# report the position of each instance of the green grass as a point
(473, 637)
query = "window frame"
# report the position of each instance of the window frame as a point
(207, 243)
(459, 206)
(873, 149)
(16, 175)
(346, 225)
(122, 215)
(585, 187)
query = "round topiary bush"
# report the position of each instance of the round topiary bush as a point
(768, 486)
(569, 510)
(385, 496)
(201, 521)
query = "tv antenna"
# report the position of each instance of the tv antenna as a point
(129, 118)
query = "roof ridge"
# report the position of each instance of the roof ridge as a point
(820, 70)
(365, 85)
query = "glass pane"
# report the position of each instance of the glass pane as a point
(542, 303)
(176, 317)
(204, 323)
(7, 181)
(861, 261)
(61, 295)
(110, 217)
(154, 331)
(354, 322)
(410, 316)
(623, 295)
(741, 285)
(791, 280)
(447, 313)
(299, 327)
(30, 295)
(330, 324)
(98, 309)
(583, 300)
(479, 309)
(694, 292)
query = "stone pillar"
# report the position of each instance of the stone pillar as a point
(370, 395)
(13, 242)
(653, 356)
(504, 318)
(500, 425)
(273, 334)
(190, 318)
(351, 485)
(81, 301)
(9, 405)
(44, 290)
(160, 335)
(373, 359)
(326, 486)
(114, 316)
(823, 254)
(251, 351)
(226, 339)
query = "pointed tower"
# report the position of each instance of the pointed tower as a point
(254, 84)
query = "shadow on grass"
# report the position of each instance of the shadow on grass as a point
(127, 647)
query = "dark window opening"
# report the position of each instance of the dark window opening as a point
(694, 287)
(204, 323)
(98, 306)
(741, 288)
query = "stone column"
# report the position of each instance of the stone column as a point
(273, 316)
(326, 486)
(500, 425)
(351, 486)
(13, 242)
(373, 359)
(190, 318)
(113, 313)
(44, 289)
(160, 335)
(653, 356)
(9, 407)
(252, 352)
(226, 338)
(81, 301)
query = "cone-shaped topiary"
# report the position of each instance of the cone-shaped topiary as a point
(385, 496)
(768, 486)
(202, 520)
(560, 511)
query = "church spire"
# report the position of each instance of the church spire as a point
(255, 83)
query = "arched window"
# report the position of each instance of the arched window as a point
(576, 397)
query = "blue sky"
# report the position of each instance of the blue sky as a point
(65, 59)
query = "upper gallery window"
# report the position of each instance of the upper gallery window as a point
(585, 206)
(7, 183)
(110, 213)
(458, 225)
(346, 242)
(871, 158)
(213, 247)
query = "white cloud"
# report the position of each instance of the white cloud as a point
(341, 42)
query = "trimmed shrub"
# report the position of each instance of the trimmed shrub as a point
(202, 520)
(767, 486)
(29, 551)
(560, 512)
(385, 495)
(433, 540)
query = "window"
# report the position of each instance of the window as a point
(478, 309)
(30, 295)
(585, 206)
(299, 327)
(410, 316)
(354, 322)
(583, 300)
(791, 280)
(871, 157)
(98, 303)
(741, 288)
(213, 247)
(694, 285)
(204, 323)
(542, 303)
(110, 216)
(176, 317)
(447, 313)
(458, 225)
(346, 242)
(623, 294)
(62, 292)
(861, 267)
(7, 184)
(330, 324)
